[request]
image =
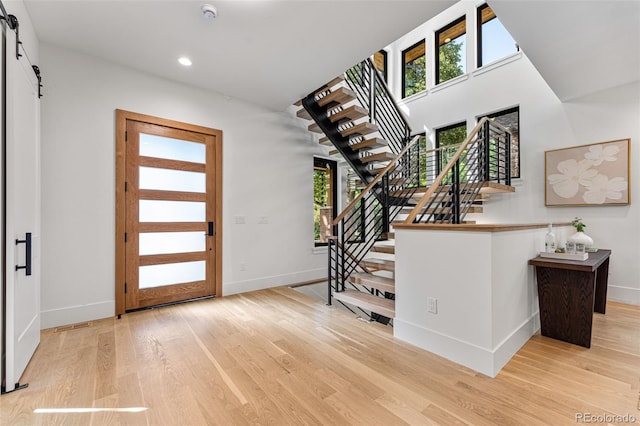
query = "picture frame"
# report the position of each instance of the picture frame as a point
(596, 174)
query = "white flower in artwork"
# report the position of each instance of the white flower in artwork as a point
(572, 175)
(601, 188)
(598, 153)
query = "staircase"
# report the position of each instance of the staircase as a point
(404, 182)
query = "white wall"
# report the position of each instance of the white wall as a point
(267, 171)
(545, 123)
(487, 302)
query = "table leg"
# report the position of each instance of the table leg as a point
(602, 275)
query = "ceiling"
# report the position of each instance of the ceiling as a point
(580, 47)
(269, 52)
(273, 52)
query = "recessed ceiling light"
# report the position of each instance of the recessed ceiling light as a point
(185, 61)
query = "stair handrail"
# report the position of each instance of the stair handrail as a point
(436, 183)
(378, 178)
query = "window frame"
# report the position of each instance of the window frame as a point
(496, 114)
(447, 27)
(385, 64)
(422, 42)
(437, 131)
(321, 163)
(479, 23)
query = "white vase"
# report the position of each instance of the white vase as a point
(581, 238)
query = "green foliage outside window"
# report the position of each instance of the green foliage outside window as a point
(320, 198)
(415, 76)
(449, 137)
(450, 61)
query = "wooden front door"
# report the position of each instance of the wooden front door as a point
(168, 210)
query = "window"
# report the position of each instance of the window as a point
(414, 70)
(454, 134)
(451, 45)
(422, 161)
(510, 119)
(494, 42)
(380, 62)
(325, 199)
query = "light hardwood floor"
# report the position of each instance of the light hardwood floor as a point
(279, 357)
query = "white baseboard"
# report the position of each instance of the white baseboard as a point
(75, 314)
(626, 295)
(236, 287)
(93, 311)
(506, 349)
(483, 360)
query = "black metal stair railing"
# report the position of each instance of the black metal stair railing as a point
(463, 170)
(374, 95)
(367, 217)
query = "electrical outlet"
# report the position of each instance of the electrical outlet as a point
(240, 220)
(432, 305)
(243, 266)
(263, 220)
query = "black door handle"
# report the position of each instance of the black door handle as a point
(27, 250)
(211, 231)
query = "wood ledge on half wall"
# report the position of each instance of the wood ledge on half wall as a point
(475, 227)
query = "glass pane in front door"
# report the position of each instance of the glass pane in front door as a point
(172, 180)
(172, 149)
(172, 211)
(171, 273)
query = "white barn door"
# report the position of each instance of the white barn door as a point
(22, 217)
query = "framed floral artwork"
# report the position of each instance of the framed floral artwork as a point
(588, 175)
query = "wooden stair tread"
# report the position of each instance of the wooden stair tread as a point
(443, 210)
(379, 305)
(370, 144)
(389, 235)
(325, 141)
(384, 248)
(374, 281)
(397, 181)
(382, 156)
(486, 189)
(379, 264)
(359, 129)
(351, 113)
(334, 82)
(314, 128)
(303, 113)
(495, 187)
(341, 95)
(441, 197)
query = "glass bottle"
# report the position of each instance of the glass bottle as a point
(550, 241)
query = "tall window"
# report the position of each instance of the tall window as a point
(414, 69)
(325, 199)
(422, 161)
(451, 44)
(494, 41)
(380, 62)
(510, 119)
(447, 136)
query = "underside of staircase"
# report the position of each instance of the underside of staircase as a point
(370, 143)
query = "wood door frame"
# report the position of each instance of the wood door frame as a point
(120, 248)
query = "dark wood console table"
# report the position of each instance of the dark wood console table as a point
(569, 291)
